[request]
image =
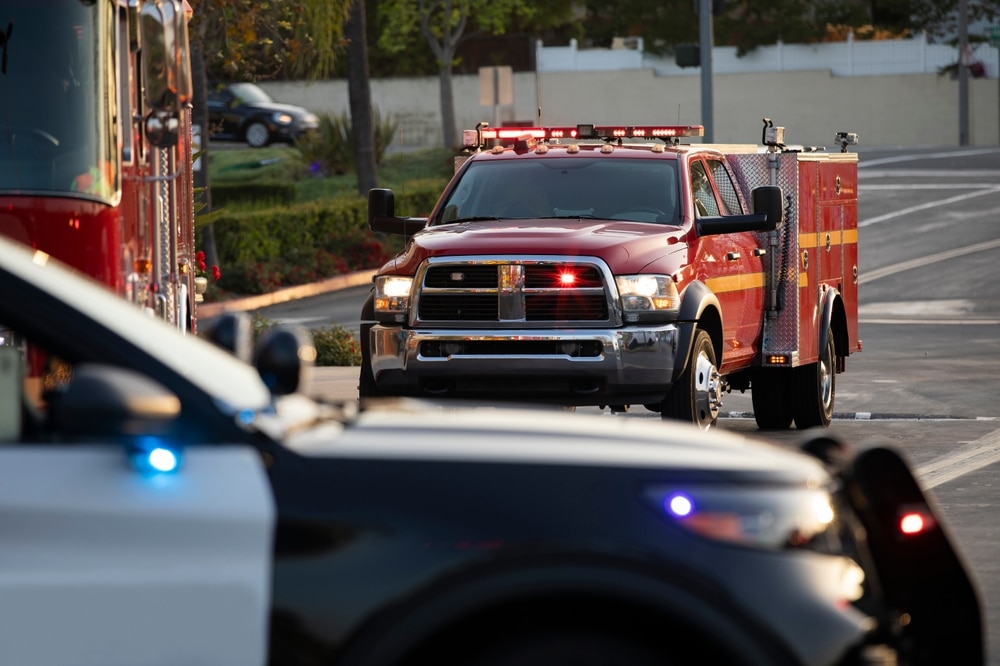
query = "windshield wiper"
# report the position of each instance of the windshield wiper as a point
(588, 216)
(475, 218)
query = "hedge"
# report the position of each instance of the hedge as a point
(283, 245)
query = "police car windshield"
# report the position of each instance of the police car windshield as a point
(585, 187)
(55, 114)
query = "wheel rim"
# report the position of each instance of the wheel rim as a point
(826, 379)
(256, 135)
(707, 392)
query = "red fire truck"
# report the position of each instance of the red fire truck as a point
(615, 265)
(95, 143)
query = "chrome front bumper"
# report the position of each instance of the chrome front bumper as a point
(631, 365)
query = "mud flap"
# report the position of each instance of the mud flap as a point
(921, 575)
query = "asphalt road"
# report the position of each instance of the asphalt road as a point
(928, 380)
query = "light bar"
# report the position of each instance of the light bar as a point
(606, 132)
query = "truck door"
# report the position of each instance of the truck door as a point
(732, 265)
(104, 565)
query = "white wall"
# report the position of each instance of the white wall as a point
(887, 91)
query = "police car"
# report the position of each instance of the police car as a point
(163, 501)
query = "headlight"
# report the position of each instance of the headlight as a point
(648, 297)
(282, 118)
(770, 518)
(392, 297)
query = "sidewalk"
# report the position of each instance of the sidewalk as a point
(250, 303)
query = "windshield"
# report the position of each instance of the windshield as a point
(56, 96)
(641, 190)
(248, 93)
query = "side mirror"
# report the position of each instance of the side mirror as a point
(166, 64)
(382, 215)
(284, 359)
(769, 200)
(166, 68)
(233, 331)
(113, 402)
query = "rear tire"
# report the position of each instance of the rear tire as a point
(696, 396)
(772, 392)
(816, 388)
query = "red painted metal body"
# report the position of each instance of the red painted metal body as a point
(79, 179)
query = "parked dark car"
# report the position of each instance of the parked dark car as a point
(406, 532)
(244, 112)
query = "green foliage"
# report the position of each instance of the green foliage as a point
(266, 249)
(335, 345)
(330, 150)
(253, 194)
(247, 40)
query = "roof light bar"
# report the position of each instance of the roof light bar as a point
(479, 137)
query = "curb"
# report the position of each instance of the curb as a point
(250, 303)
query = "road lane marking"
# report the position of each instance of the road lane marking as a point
(934, 322)
(915, 157)
(919, 262)
(932, 204)
(969, 458)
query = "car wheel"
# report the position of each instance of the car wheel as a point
(580, 649)
(257, 135)
(816, 388)
(696, 396)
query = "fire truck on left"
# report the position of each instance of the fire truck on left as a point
(95, 143)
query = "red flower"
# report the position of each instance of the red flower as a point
(216, 273)
(199, 256)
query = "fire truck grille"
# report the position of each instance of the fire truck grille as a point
(522, 292)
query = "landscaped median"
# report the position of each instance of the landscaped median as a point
(335, 345)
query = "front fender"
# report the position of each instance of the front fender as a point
(392, 636)
(696, 301)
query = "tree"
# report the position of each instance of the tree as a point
(443, 24)
(360, 98)
(255, 40)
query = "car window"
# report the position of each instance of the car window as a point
(724, 184)
(705, 203)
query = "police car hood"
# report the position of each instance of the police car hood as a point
(414, 430)
(627, 246)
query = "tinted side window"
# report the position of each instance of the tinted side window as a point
(727, 191)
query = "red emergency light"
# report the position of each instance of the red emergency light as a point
(479, 137)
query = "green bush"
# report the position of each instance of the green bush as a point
(249, 194)
(335, 345)
(262, 250)
(330, 150)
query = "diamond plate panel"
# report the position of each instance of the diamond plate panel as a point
(781, 330)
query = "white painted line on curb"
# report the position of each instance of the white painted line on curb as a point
(969, 458)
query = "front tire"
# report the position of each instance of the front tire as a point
(367, 388)
(696, 396)
(570, 647)
(257, 135)
(816, 388)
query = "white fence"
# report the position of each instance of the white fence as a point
(850, 58)
(889, 91)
